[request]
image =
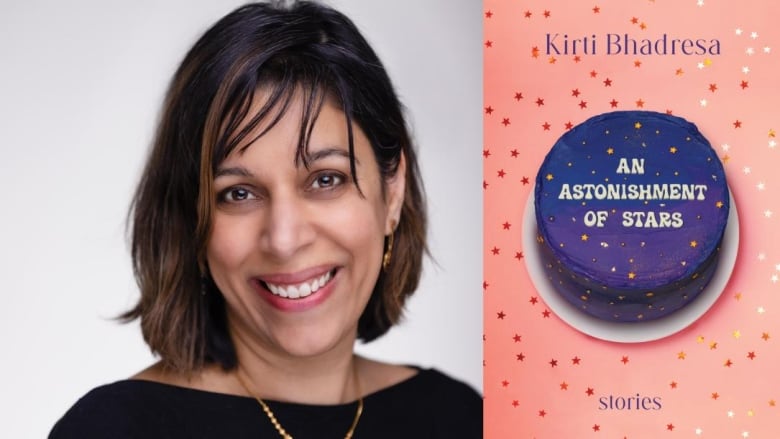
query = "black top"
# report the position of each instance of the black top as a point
(427, 405)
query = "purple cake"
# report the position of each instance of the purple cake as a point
(630, 208)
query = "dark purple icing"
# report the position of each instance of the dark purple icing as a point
(633, 165)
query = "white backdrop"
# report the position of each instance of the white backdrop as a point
(81, 84)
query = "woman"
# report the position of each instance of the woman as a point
(279, 218)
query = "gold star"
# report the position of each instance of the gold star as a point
(726, 158)
(750, 413)
(673, 149)
(707, 62)
(700, 339)
(584, 237)
(713, 345)
(719, 204)
(549, 177)
(637, 125)
(738, 296)
(610, 151)
(681, 355)
(771, 403)
(631, 275)
(694, 244)
(679, 72)
(765, 336)
(771, 133)
(737, 334)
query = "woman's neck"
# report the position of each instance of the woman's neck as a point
(327, 377)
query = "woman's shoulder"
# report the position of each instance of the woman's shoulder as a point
(137, 408)
(104, 411)
(432, 383)
(445, 385)
(430, 403)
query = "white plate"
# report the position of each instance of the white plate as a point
(621, 331)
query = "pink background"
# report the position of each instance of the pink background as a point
(718, 378)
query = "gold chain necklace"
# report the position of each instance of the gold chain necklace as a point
(281, 429)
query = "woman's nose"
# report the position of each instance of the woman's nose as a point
(287, 227)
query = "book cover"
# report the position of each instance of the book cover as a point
(551, 65)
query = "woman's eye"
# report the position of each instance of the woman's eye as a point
(235, 195)
(325, 181)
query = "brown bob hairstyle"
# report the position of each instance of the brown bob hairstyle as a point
(290, 50)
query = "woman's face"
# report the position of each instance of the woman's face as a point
(296, 251)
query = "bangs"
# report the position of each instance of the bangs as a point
(280, 80)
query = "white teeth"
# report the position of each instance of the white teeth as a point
(301, 290)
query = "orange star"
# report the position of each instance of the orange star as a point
(631, 275)
(584, 237)
(681, 355)
(694, 244)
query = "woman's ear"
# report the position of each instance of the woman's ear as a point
(396, 188)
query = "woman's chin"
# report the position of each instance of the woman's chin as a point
(312, 341)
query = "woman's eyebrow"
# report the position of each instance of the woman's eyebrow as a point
(319, 154)
(233, 171)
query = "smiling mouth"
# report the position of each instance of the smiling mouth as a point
(300, 290)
